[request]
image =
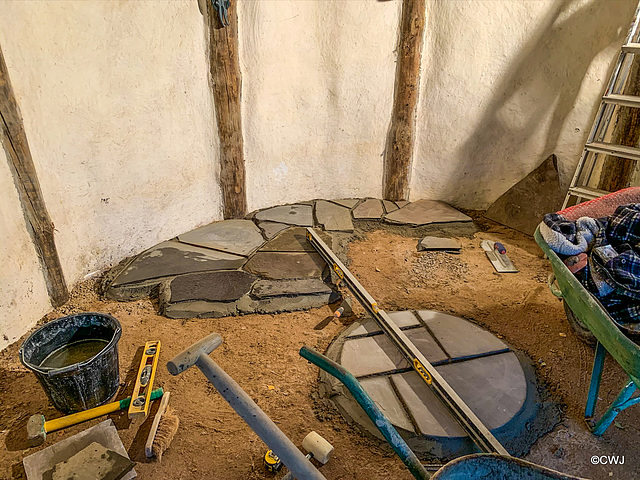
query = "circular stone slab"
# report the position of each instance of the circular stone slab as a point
(480, 367)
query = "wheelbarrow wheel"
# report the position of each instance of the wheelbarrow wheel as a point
(579, 327)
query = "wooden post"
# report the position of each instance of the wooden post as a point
(39, 223)
(226, 84)
(399, 147)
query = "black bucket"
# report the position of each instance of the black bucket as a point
(87, 383)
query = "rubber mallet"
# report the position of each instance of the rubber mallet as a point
(313, 443)
(38, 427)
(317, 447)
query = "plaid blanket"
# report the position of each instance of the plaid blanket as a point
(613, 270)
(569, 237)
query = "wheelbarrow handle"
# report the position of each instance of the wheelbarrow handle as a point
(555, 289)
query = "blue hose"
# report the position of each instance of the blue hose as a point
(371, 409)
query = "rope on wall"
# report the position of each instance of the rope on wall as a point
(220, 6)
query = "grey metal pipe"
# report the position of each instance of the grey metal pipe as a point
(191, 354)
(244, 406)
(289, 475)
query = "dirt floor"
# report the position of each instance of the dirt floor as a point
(261, 353)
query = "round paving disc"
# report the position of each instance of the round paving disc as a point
(480, 367)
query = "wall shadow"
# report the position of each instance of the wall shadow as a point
(542, 83)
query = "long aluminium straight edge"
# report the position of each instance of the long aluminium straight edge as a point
(474, 427)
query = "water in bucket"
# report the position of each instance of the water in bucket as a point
(74, 353)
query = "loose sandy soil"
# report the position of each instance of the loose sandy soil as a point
(261, 353)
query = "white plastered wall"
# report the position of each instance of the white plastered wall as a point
(117, 108)
(23, 293)
(505, 84)
(317, 92)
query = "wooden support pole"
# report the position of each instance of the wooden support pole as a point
(399, 147)
(226, 83)
(37, 218)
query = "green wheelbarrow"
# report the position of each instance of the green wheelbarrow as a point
(609, 338)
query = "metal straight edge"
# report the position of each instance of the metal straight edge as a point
(474, 427)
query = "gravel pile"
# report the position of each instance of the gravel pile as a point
(431, 267)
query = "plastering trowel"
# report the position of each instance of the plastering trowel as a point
(497, 255)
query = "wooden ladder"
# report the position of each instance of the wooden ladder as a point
(596, 143)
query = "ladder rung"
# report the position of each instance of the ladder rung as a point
(632, 153)
(587, 192)
(603, 118)
(631, 48)
(625, 100)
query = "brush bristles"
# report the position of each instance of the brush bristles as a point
(167, 428)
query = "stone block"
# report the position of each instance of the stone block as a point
(276, 288)
(347, 202)
(333, 217)
(293, 239)
(439, 243)
(426, 345)
(200, 309)
(493, 387)
(39, 463)
(173, 258)
(285, 304)
(389, 206)
(271, 229)
(240, 237)
(280, 266)
(430, 415)
(423, 212)
(134, 291)
(94, 462)
(220, 286)
(300, 215)
(371, 208)
(523, 205)
(459, 337)
(405, 318)
(381, 392)
(369, 355)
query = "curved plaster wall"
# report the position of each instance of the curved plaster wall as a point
(317, 90)
(505, 84)
(117, 109)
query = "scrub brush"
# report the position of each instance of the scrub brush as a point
(164, 427)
